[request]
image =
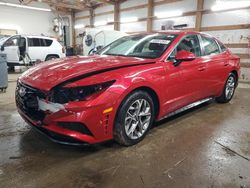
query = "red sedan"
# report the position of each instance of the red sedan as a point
(119, 92)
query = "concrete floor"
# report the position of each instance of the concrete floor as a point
(205, 147)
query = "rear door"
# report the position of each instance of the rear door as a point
(37, 49)
(217, 65)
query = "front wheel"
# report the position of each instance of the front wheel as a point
(134, 118)
(229, 89)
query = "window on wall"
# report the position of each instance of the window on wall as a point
(210, 46)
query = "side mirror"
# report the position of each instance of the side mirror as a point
(2, 48)
(183, 56)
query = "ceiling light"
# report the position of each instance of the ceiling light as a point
(79, 26)
(169, 14)
(101, 23)
(229, 5)
(24, 6)
(129, 19)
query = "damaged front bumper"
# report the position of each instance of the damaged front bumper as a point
(76, 123)
(53, 136)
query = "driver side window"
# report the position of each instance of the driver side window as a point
(189, 43)
(11, 42)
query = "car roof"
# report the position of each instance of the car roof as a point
(37, 36)
(178, 32)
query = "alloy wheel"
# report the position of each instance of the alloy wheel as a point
(137, 119)
(230, 86)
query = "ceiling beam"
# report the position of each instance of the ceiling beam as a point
(72, 29)
(150, 15)
(27, 2)
(117, 16)
(107, 1)
(198, 20)
(91, 19)
(64, 5)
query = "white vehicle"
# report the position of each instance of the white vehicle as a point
(95, 39)
(19, 48)
(2, 40)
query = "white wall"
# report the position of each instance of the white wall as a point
(27, 21)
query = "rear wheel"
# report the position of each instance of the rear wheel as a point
(134, 118)
(229, 89)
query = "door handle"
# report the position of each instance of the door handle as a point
(202, 68)
(226, 63)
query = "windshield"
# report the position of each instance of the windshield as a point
(142, 46)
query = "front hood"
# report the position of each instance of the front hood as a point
(52, 73)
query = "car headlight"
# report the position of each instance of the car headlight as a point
(64, 95)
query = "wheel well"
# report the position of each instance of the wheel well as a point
(52, 55)
(236, 74)
(154, 96)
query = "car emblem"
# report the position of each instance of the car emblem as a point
(22, 91)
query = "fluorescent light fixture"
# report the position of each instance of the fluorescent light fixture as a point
(222, 5)
(79, 26)
(169, 14)
(100, 23)
(24, 6)
(129, 19)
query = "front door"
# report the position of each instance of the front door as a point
(192, 82)
(11, 49)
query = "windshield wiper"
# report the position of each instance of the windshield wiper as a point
(115, 54)
(146, 57)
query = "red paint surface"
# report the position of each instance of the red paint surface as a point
(175, 86)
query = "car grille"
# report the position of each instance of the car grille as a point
(26, 101)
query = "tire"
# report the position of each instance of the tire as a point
(229, 89)
(11, 68)
(132, 122)
(50, 57)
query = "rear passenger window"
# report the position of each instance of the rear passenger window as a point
(210, 46)
(47, 42)
(36, 42)
(222, 47)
